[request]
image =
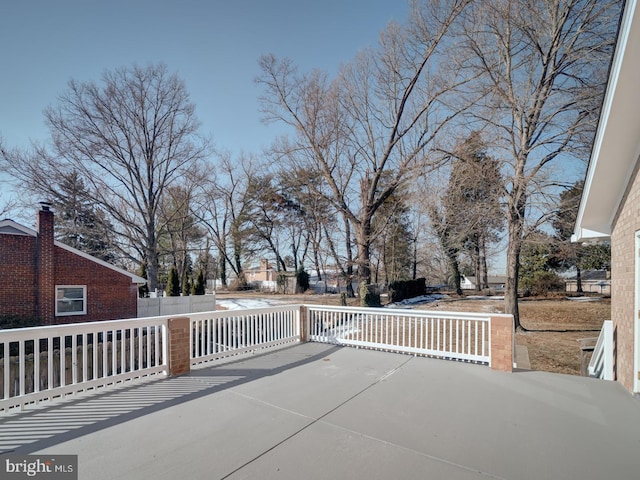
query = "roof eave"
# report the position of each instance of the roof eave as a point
(617, 142)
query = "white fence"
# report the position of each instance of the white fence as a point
(46, 362)
(233, 332)
(96, 354)
(458, 336)
(601, 364)
(160, 306)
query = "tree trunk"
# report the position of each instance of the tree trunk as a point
(364, 253)
(485, 274)
(223, 270)
(152, 258)
(578, 280)
(316, 262)
(364, 269)
(513, 268)
(349, 279)
(476, 252)
(415, 259)
(452, 256)
(242, 281)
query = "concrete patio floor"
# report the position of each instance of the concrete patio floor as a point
(315, 411)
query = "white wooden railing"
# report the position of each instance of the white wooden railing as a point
(222, 334)
(601, 364)
(46, 362)
(458, 336)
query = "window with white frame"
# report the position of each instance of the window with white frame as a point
(71, 300)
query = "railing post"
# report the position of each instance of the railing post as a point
(502, 342)
(179, 342)
(607, 367)
(303, 319)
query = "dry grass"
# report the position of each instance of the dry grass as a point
(552, 327)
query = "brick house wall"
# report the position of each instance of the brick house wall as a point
(33, 265)
(623, 287)
(18, 277)
(110, 295)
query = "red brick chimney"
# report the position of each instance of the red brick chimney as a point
(45, 275)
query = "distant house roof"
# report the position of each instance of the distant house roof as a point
(9, 227)
(617, 140)
(591, 276)
(492, 279)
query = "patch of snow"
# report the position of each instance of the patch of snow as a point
(484, 297)
(241, 303)
(417, 300)
(585, 299)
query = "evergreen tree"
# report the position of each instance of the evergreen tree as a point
(199, 285)
(143, 290)
(186, 285)
(302, 280)
(392, 243)
(575, 255)
(538, 264)
(78, 223)
(173, 283)
(472, 201)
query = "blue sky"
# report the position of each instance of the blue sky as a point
(213, 45)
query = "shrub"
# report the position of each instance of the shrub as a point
(302, 280)
(19, 321)
(369, 296)
(403, 289)
(542, 282)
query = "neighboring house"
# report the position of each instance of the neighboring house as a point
(46, 279)
(593, 281)
(263, 273)
(469, 283)
(610, 205)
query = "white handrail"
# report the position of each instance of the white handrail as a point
(450, 335)
(601, 364)
(57, 360)
(45, 362)
(221, 334)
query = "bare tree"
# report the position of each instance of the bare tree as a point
(541, 67)
(314, 213)
(179, 234)
(7, 207)
(222, 205)
(129, 138)
(378, 117)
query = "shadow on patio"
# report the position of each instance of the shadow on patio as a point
(320, 411)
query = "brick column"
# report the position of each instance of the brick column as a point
(179, 346)
(502, 342)
(45, 274)
(304, 335)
